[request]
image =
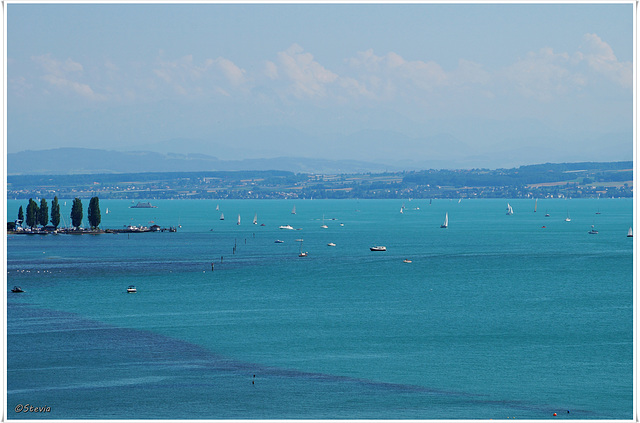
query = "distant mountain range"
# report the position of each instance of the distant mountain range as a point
(89, 161)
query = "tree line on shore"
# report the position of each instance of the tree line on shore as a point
(39, 214)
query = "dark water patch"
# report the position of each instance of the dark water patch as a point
(85, 369)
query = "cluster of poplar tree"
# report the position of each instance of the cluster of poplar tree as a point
(39, 214)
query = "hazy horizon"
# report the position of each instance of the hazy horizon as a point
(476, 85)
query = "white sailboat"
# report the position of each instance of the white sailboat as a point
(302, 253)
(446, 221)
(107, 210)
(238, 220)
(294, 210)
(509, 209)
(630, 233)
(323, 225)
(221, 216)
(217, 207)
(568, 219)
(255, 219)
(535, 208)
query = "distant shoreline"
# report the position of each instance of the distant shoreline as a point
(132, 230)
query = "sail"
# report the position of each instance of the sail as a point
(630, 233)
(221, 216)
(238, 219)
(294, 210)
(446, 221)
(255, 219)
(535, 208)
(509, 209)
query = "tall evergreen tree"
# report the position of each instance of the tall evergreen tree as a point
(93, 213)
(43, 212)
(55, 212)
(32, 213)
(20, 216)
(76, 213)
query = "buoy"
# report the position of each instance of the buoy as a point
(555, 414)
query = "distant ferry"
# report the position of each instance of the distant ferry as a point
(143, 206)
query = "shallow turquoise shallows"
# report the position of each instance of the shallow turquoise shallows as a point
(497, 316)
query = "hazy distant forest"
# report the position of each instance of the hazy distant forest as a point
(587, 179)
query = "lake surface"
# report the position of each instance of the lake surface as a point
(495, 317)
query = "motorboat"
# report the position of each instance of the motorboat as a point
(279, 241)
(331, 244)
(131, 289)
(287, 227)
(378, 248)
(406, 261)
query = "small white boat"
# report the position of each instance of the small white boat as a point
(331, 244)
(406, 261)
(630, 233)
(323, 225)
(238, 220)
(287, 227)
(568, 219)
(221, 216)
(593, 230)
(279, 241)
(302, 253)
(446, 221)
(293, 211)
(378, 248)
(255, 219)
(509, 209)
(131, 289)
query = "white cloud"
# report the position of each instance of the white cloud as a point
(271, 70)
(305, 77)
(77, 87)
(234, 74)
(543, 75)
(600, 57)
(63, 75)
(213, 76)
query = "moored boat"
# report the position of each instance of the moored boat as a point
(131, 289)
(378, 248)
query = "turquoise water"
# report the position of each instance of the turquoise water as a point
(495, 316)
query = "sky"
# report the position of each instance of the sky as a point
(442, 85)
